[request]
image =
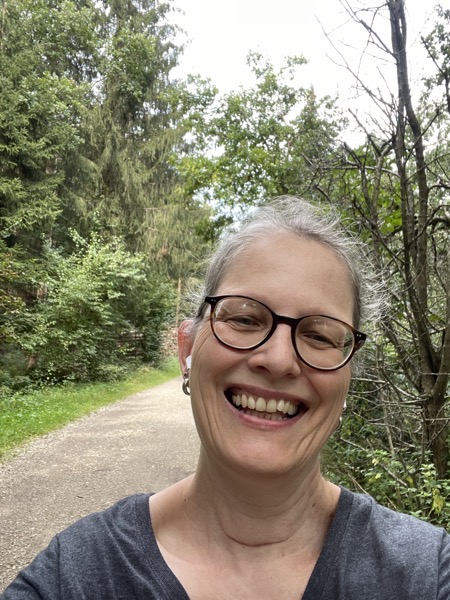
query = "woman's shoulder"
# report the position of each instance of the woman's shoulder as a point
(131, 511)
(367, 513)
(403, 547)
(375, 552)
(109, 554)
(112, 523)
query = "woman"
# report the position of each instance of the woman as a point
(267, 363)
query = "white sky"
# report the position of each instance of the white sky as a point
(222, 32)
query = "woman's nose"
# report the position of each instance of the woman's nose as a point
(277, 355)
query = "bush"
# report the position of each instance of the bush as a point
(91, 298)
(409, 485)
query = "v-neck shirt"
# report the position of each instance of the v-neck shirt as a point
(370, 553)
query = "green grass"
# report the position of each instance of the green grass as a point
(23, 417)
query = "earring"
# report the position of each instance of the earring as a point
(342, 416)
(185, 386)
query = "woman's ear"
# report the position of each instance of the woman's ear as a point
(185, 343)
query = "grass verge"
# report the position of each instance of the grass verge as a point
(24, 417)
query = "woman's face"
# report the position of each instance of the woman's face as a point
(294, 277)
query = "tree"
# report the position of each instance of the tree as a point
(90, 120)
(395, 187)
(260, 142)
(137, 127)
(40, 107)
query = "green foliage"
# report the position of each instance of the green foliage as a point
(408, 483)
(437, 44)
(259, 142)
(89, 123)
(40, 108)
(377, 449)
(11, 304)
(89, 120)
(92, 298)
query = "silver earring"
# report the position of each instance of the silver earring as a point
(185, 386)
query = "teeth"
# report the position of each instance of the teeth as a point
(261, 405)
(272, 409)
(281, 405)
(271, 406)
(292, 410)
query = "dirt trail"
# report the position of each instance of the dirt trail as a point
(143, 443)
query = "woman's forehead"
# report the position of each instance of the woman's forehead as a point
(281, 254)
(285, 266)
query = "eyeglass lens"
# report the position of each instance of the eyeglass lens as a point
(319, 341)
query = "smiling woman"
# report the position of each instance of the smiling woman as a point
(266, 360)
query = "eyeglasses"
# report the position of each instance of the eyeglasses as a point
(321, 342)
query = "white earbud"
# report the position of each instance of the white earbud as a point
(188, 361)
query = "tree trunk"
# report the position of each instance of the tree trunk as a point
(415, 209)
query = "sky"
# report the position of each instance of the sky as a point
(223, 32)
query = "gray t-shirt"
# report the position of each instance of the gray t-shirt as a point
(371, 553)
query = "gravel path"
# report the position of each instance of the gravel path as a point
(143, 443)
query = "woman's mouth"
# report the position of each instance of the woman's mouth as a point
(271, 410)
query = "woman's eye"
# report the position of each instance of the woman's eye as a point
(318, 339)
(244, 321)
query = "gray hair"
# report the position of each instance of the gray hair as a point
(289, 214)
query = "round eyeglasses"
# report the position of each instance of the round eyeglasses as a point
(321, 342)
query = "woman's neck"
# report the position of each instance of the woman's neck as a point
(250, 510)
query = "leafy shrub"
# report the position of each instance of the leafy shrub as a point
(409, 485)
(91, 298)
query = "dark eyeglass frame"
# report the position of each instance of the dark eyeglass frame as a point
(358, 337)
